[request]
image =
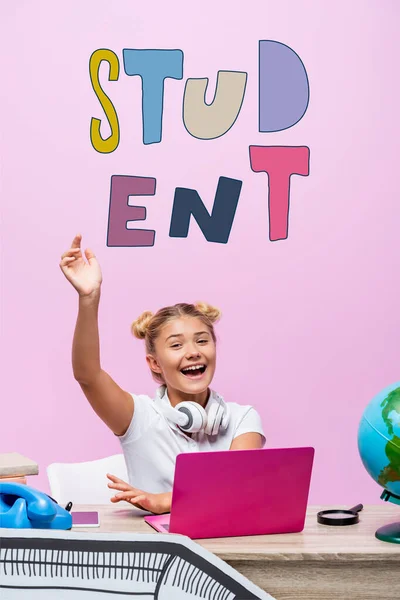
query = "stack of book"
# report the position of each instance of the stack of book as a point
(16, 468)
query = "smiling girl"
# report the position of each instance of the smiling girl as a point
(185, 415)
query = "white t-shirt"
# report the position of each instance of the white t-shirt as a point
(152, 442)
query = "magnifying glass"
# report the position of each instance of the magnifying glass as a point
(340, 517)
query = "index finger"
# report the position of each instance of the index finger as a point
(76, 242)
(122, 487)
(115, 479)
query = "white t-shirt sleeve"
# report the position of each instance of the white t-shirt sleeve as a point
(143, 416)
(250, 422)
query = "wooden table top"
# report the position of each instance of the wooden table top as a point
(315, 542)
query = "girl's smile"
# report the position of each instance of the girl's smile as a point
(195, 371)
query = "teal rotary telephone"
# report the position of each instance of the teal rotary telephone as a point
(24, 507)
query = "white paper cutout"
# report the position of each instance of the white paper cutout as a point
(65, 565)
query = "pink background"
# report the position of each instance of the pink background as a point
(310, 324)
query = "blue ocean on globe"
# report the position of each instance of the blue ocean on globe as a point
(379, 438)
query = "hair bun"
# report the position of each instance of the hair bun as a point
(211, 312)
(139, 327)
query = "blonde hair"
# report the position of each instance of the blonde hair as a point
(148, 326)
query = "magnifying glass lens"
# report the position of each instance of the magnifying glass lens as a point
(339, 515)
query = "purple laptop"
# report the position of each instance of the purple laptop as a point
(238, 492)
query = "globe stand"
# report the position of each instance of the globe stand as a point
(389, 533)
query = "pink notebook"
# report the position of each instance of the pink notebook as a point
(238, 493)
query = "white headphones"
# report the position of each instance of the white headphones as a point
(191, 417)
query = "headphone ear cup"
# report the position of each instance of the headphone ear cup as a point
(225, 417)
(197, 416)
(215, 418)
(218, 418)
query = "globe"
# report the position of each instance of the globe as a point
(379, 448)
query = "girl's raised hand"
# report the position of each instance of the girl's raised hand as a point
(155, 503)
(84, 276)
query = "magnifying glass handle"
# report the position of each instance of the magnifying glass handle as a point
(356, 509)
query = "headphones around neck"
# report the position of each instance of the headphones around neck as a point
(191, 417)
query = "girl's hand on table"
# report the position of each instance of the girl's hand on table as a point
(155, 503)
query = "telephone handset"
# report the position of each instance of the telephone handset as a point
(22, 506)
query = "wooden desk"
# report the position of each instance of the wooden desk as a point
(320, 563)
